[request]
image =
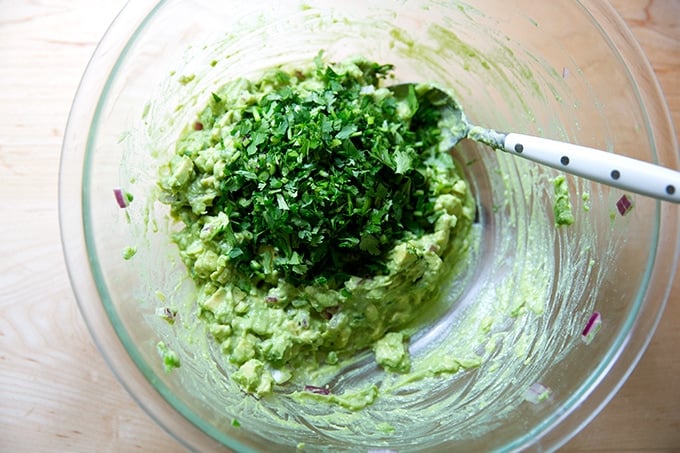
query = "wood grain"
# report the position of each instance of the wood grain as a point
(56, 392)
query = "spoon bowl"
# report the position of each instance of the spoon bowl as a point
(612, 169)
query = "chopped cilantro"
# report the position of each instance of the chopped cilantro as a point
(319, 180)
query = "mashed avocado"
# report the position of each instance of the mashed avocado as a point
(562, 209)
(315, 214)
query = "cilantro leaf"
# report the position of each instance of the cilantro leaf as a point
(403, 161)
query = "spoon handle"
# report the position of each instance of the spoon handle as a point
(611, 169)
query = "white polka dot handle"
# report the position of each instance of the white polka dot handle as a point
(611, 169)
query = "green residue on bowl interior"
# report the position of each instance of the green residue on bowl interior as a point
(129, 252)
(562, 205)
(586, 201)
(450, 41)
(402, 36)
(386, 428)
(187, 78)
(170, 357)
(353, 400)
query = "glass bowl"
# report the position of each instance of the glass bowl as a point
(515, 317)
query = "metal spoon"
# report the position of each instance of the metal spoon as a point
(607, 168)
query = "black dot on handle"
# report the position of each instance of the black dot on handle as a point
(670, 189)
(616, 174)
(565, 160)
(519, 147)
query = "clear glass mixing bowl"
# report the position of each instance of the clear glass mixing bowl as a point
(561, 69)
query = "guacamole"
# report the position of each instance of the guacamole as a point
(564, 215)
(315, 213)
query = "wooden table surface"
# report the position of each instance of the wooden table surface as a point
(56, 392)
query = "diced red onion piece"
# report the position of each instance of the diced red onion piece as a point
(166, 313)
(565, 72)
(592, 327)
(537, 393)
(624, 205)
(272, 299)
(317, 390)
(120, 197)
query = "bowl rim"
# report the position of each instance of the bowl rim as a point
(583, 406)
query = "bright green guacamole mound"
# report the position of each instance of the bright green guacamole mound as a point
(316, 216)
